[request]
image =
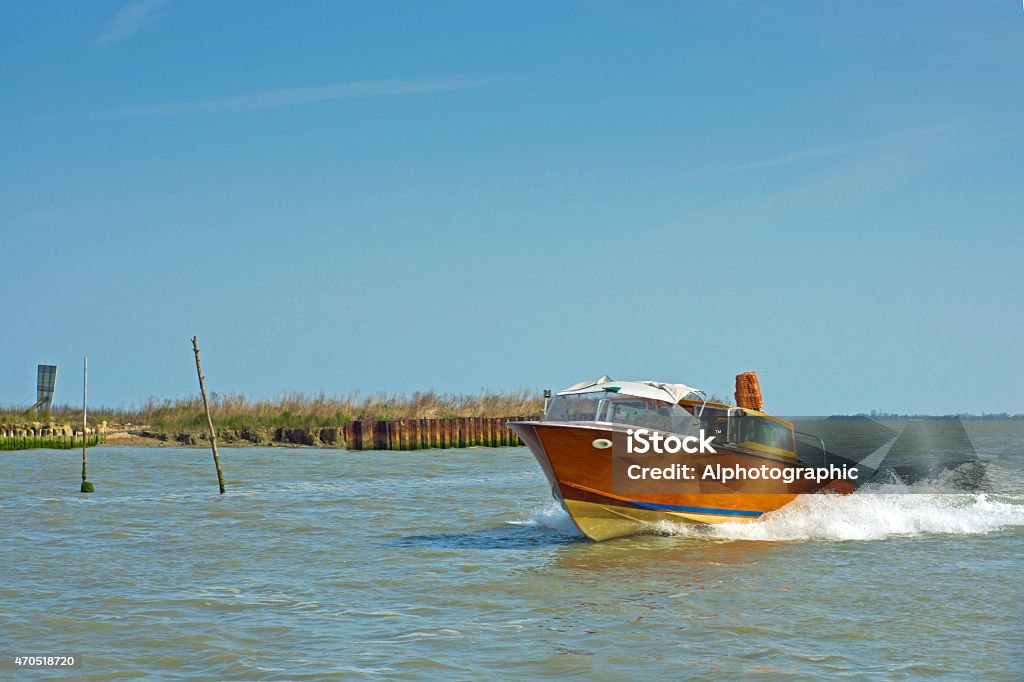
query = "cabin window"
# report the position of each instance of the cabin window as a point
(715, 421)
(621, 409)
(763, 431)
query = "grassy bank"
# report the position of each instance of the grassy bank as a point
(293, 411)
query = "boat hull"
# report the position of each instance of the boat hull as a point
(580, 472)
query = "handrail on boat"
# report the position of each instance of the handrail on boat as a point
(703, 404)
(817, 438)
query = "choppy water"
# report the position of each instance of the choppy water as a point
(323, 564)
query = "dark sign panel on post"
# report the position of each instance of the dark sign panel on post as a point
(45, 382)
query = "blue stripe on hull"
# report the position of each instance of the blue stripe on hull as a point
(697, 510)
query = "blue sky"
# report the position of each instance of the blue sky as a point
(340, 196)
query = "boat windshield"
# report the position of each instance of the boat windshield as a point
(608, 407)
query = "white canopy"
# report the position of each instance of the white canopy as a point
(655, 390)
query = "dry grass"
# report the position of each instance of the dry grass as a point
(295, 410)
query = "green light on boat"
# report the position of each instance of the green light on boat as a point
(612, 389)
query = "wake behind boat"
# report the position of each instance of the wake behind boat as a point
(598, 444)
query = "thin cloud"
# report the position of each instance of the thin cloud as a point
(787, 159)
(826, 150)
(287, 97)
(129, 19)
(867, 169)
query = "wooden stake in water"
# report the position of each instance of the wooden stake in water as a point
(209, 419)
(87, 487)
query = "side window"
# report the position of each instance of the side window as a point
(779, 436)
(762, 431)
(715, 421)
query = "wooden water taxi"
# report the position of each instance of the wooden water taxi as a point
(584, 443)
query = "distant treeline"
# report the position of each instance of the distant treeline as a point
(294, 410)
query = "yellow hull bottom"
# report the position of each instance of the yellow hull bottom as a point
(604, 521)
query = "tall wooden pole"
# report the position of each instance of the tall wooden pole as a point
(87, 487)
(209, 419)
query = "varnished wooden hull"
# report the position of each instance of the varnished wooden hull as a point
(581, 475)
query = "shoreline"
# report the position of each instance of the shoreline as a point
(400, 434)
(124, 438)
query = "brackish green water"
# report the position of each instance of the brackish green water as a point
(322, 564)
